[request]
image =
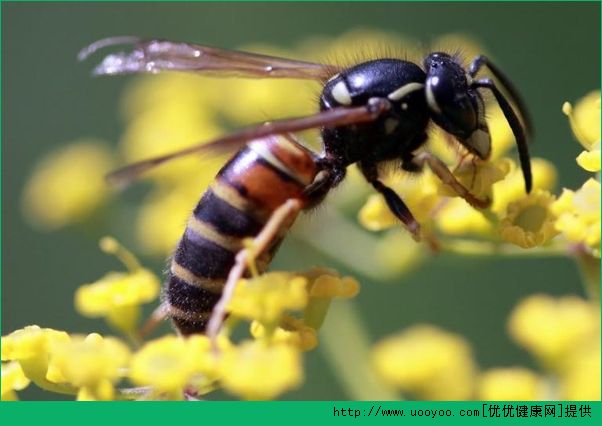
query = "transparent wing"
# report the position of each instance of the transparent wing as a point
(152, 56)
(236, 140)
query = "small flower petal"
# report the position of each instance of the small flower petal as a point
(13, 379)
(529, 222)
(585, 119)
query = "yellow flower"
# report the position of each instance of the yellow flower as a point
(324, 285)
(581, 380)
(529, 222)
(68, 184)
(117, 296)
(32, 348)
(257, 371)
(172, 364)
(457, 217)
(553, 328)
(585, 123)
(510, 384)
(266, 297)
(590, 160)
(512, 188)
(292, 331)
(13, 379)
(330, 286)
(165, 364)
(578, 215)
(92, 364)
(427, 362)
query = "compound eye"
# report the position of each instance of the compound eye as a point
(453, 107)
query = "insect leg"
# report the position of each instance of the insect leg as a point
(261, 243)
(442, 171)
(394, 202)
(515, 125)
(157, 317)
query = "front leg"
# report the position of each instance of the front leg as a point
(442, 171)
(394, 202)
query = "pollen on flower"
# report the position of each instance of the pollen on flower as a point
(427, 362)
(510, 384)
(553, 328)
(91, 362)
(529, 222)
(68, 185)
(291, 331)
(32, 347)
(256, 371)
(30, 342)
(166, 365)
(13, 379)
(266, 297)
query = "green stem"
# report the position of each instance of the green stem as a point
(346, 346)
(589, 268)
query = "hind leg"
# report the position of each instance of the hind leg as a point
(283, 214)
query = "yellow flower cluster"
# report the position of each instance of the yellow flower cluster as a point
(562, 333)
(578, 211)
(172, 367)
(55, 361)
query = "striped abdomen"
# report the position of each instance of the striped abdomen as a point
(246, 191)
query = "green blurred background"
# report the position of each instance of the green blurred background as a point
(551, 50)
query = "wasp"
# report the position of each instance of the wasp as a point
(369, 113)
